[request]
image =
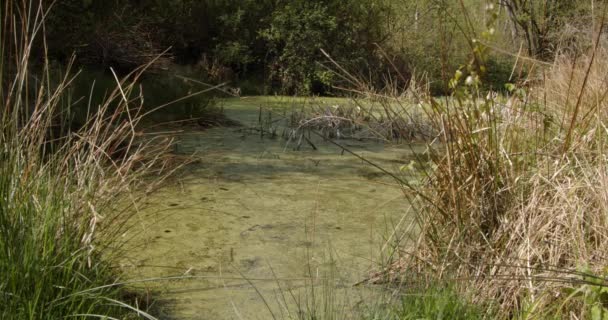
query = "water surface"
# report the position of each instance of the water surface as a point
(253, 207)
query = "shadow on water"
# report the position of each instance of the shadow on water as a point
(252, 210)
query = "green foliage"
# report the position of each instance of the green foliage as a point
(43, 264)
(235, 40)
(433, 303)
(66, 194)
(541, 23)
(296, 35)
(280, 39)
(103, 33)
(299, 30)
(591, 292)
(498, 72)
(438, 304)
(429, 39)
(433, 37)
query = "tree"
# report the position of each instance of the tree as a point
(347, 30)
(539, 22)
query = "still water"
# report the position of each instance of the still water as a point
(257, 229)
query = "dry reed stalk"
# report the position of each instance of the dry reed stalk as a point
(511, 215)
(67, 194)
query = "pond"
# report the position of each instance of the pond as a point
(256, 228)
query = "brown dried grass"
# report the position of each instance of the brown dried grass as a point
(515, 207)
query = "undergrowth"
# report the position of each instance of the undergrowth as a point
(433, 303)
(66, 195)
(514, 205)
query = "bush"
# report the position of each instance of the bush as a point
(297, 33)
(279, 39)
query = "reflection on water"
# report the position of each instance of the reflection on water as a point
(254, 208)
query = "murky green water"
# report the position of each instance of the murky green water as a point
(255, 208)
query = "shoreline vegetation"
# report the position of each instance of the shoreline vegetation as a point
(60, 223)
(511, 201)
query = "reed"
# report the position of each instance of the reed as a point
(67, 195)
(513, 206)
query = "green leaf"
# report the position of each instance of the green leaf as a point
(603, 299)
(596, 313)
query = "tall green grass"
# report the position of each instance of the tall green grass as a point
(66, 197)
(437, 302)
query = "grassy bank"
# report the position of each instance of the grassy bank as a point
(511, 212)
(513, 208)
(60, 221)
